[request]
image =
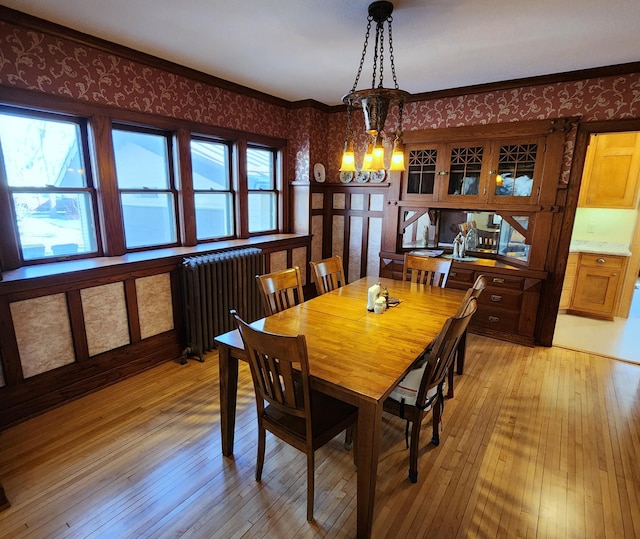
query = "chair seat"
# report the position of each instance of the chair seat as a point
(408, 387)
(326, 413)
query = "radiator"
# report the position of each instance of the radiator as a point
(214, 284)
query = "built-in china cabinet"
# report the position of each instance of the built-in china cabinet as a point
(501, 181)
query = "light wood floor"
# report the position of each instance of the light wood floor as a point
(538, 442)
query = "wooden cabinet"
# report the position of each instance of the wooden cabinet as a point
(597, 285)
(569, 280)
(611, 170)
(466, 173)
(506, 308)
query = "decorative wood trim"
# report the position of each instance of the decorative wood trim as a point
(78, 329)
(541, 80)
(131, 295)
(9, 353)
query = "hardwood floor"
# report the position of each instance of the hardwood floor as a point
(538, 442)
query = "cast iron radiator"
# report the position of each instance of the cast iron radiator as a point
(214, 284)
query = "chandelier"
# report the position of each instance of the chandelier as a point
(375, 101)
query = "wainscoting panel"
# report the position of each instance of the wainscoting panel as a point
(374, 245)
(155, 307)
(105, 317)
(355, 249)
(43, 333)
(277, 261)
(299, 258)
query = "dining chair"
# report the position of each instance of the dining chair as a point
(426, 270)
(296, 414)
(474, 292)
(328, 274)
(422, 388)
(281, 289)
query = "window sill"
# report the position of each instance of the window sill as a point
(56, 269)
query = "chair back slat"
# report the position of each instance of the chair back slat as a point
(280, 369)
(281, 289)
(328, 274)
(426, 270)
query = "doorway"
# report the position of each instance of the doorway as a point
(615, 338)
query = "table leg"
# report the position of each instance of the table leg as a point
(228, 369)
(368, 442)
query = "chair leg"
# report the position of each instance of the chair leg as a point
(462, 347)
(310, 484)
(436, 411)
(450, 382)
(260, 460)
(413, 450)
(348, 438)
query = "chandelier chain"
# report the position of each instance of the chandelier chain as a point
(381, 31)
(364, 53)
(391, 59)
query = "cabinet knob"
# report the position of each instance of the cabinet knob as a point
(601, 260)
(494, 319)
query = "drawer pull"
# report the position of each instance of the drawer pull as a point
(498, 280)
(453, 274)
(494, 319)
(496, 298)
(601, 260)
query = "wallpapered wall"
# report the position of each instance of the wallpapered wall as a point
(37, 61)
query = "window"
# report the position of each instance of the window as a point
(50, 189)
(145, 181)
(213, 197)
(263, 196)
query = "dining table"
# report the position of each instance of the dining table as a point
(354, 355)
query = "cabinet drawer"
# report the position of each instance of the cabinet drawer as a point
(461, 278)
(496, 319)
(495, 280)
(501, 298)
(602, 261)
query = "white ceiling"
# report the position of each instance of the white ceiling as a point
(310, 49)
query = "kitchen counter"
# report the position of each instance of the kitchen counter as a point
(599, 247)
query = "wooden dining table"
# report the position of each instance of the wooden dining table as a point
(354, 355)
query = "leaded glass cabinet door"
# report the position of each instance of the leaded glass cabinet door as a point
(465, 173)
(515, 171)
(421, 180)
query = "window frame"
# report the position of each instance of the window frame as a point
(172, 188)
(276, 182)
(10, 244)
(97, 121)
(231, 186)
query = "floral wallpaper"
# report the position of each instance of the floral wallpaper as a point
(38, 61)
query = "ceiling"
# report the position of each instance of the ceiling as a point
(310, 49)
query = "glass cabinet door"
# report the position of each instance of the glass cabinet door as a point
(464, 173)
(514, 177)
(421, 174)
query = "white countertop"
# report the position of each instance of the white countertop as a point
(600, 247)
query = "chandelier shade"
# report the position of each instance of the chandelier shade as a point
(376, 101)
